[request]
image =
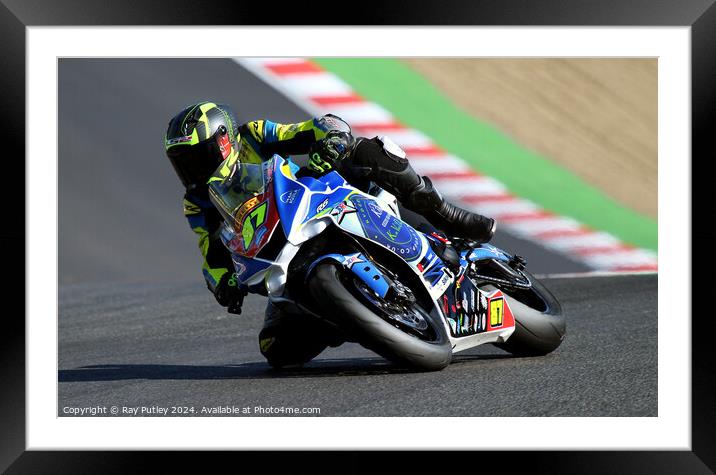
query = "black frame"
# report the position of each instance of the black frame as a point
(15, 15)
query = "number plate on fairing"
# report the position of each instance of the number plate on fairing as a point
(499, 315)
(469, 311)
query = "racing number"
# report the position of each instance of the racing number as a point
(496, 311)
(253, 220)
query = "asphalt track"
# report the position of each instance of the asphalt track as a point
(169, 345)
(138, 328)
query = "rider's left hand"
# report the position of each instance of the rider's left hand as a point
(329, 151)
(229, 294)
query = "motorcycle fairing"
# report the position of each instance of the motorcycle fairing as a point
(361, 267)
(467, 309)
(259, 224)
(486, 251)
(497, 323)
(499, 314)
(249, 271)
(289, 198)
(308, 204)
(301, 200)
(382, 227)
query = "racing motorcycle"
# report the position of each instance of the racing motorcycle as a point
(321, 247)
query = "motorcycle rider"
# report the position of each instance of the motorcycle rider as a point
(202, 135)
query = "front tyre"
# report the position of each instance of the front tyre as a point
(540, 325)
(427, 349)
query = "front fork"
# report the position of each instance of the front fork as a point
(364, 269)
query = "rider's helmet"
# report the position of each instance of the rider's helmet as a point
(198, 139)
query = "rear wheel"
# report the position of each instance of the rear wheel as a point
(540, 325)
(401, 332)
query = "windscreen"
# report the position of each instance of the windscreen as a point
(233, 185)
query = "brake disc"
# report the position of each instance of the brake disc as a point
(411, 319)
(395, 311)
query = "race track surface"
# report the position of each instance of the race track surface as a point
(170, 345)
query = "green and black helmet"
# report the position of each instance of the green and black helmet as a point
(198, 139)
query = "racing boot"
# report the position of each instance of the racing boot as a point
(454, 221)
(382, 161)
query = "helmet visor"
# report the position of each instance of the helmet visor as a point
(194, 164)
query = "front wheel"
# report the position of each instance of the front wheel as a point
(406, 335)
(540, 325)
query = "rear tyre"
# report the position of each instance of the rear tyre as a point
(360, 316)
(540, 325)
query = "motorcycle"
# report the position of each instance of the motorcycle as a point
(321, 247)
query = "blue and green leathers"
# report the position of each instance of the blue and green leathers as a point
(257, 141)
(261, 139)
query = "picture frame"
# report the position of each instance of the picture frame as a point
(15, 16)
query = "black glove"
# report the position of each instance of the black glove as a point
(229, 294)
(326, 153)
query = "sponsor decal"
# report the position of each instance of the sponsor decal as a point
(428, 261)
(260, 234)
(472, 308)
(377, 210)
(353, 259)
(393, 229)
(289, 196)
(486, 251)
(433, 275)
(386, 229)
(496, 312)
(466, 309)
(178, 140)
(267, 168)
(224, 145)
(322, 206)
(341, 210)
(246, 267)
(444, 282)
(482, 317)
(246, 207)
(252, 221)
(240, 268)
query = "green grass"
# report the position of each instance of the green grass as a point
(415, 102)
